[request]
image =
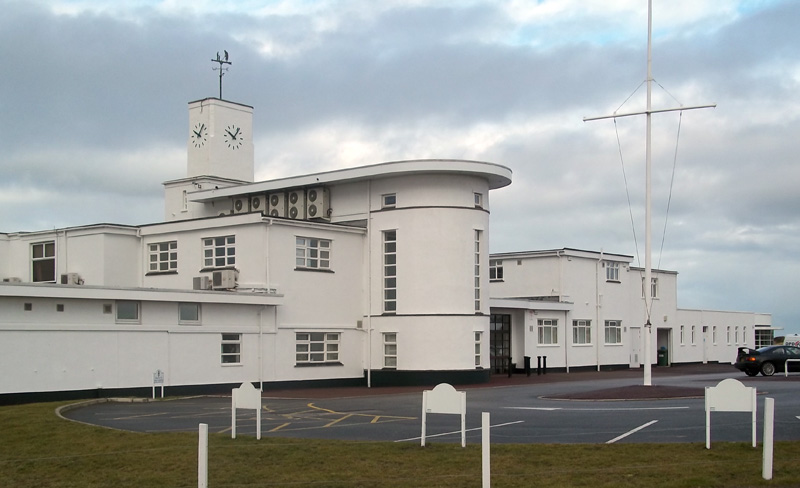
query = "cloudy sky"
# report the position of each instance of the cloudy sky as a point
(93, 116)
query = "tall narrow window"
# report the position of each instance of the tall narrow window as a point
(653, 287)
(613, 331)
(43, 261)
(612, 271)
(390, 350)
(477, 271)
(219, 252)
(231, 348)
(478, 336)
(693, 334)
(390, 271)
(495, 270)
(478, 200)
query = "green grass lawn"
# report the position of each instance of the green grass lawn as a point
(39, 450)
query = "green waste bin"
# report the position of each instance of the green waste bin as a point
(663, 356)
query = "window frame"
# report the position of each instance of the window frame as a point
(127, 320)
(312, 253)
(615, 327)
(211, 246)
(547, 325)
(389, 200)
(478, 301)
(37, 263)
(154, 257)
(582, 327)
(478, 199)
(185, 321)
(478, 348)
(495, 270)
(329, 352)
(389, 350)
(389, 264)
(612, 271)
(231, 339)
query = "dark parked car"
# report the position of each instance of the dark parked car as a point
(767, 360)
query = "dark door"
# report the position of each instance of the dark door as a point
(499, 342)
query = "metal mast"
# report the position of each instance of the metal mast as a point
(648, 270)
(222, 69)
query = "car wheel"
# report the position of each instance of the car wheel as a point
(768, 369)
(751, 373)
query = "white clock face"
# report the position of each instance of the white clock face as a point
(234, 137)
(199, 134)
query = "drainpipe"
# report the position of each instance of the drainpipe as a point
(369, 283)
(597, 308)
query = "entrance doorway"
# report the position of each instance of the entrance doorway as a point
(499, 342)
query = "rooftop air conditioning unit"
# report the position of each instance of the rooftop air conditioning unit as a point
(201, 283)
(71, 279)
(224, 279)
(241, 205)
(277, 205)
(297, 205)
(258, 203)
(318, 203)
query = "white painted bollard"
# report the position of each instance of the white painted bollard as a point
(485, 454)
(202, 457)
(769, 424)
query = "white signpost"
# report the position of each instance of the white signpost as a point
(729, 395)
(246, 396)
(444, 399)
(158, 380)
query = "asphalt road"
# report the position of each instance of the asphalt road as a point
(524, 413)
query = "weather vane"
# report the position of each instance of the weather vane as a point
(222, 69)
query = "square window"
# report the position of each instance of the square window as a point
(127, 311)
(189, 313)
(389, 200)
(27, 307)
(312, 253)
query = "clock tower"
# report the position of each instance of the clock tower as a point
(220, 140)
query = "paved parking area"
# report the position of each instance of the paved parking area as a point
(522, 411)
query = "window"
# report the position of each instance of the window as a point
(613, 332)
(683, 332)
(653, 287)
(764, 338)
(316, 347)
(736, 335)
(495, 270)
(548, 331)
(693, 336)
(185, 201)
(390, 350)
(389, 200)
(612, 271)
(477, 271)
(478, 200)
(127, 311)
(231, 349)
(312, 253)
(219, 252)
(43, 262)
(189, 313)
(728, 335)
(714, 335)
(27, 306)
(163, 256)
(59, 307)
(478, 336)
(581, 331)
(390, 271)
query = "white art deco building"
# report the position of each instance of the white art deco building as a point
(371, 275)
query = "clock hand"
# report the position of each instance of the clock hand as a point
(196, 133)
(237, 132)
